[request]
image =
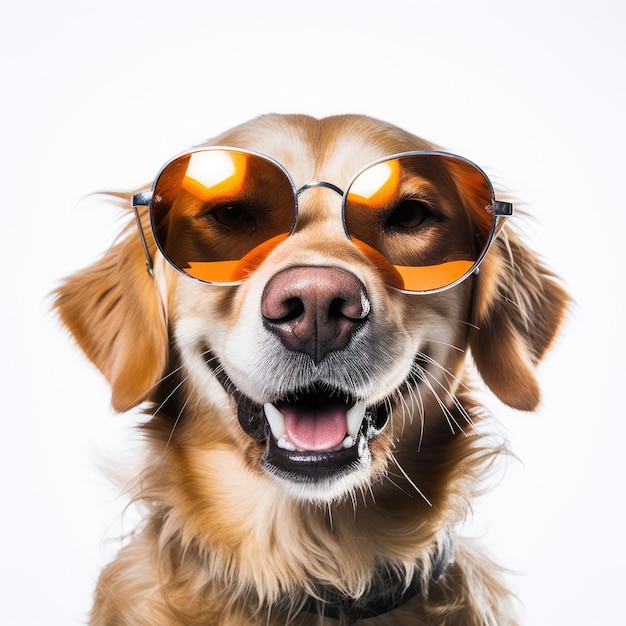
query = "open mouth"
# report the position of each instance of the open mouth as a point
(310, 435)
(313, 422)
(319, 434)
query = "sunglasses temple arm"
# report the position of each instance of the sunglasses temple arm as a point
(143, 199)
(503, 210)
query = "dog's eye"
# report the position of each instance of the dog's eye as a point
(232, 215)
(407, 215)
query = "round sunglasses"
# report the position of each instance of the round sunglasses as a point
(424, 219)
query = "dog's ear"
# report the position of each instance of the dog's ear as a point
(517, 311)
(114, 311)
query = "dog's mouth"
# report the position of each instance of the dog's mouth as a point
(314, 422)
(312, 435)
(320, 433)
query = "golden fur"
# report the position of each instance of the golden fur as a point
(224, 542)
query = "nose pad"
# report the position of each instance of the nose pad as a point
(315, 310)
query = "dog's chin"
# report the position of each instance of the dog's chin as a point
(315, 442)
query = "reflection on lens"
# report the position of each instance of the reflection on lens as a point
(377, 184)
(451, 237)
(214, 173)
(431, 277)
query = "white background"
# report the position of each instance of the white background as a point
(97, 96)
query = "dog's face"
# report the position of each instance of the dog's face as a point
(324, 366)
(316, 372)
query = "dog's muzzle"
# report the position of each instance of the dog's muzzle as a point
(319, 431)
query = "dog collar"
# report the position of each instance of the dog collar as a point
(389, 594)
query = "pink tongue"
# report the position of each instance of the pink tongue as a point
(315, 428)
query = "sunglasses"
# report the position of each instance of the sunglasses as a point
(424, 219)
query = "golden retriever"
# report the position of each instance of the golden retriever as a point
(300, 344)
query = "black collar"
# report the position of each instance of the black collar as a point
(389, 594)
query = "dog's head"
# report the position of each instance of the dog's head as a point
(316, 364)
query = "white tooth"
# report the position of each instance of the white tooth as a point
(355, 416)
(285, 444)
(275, 419)
(348, 442)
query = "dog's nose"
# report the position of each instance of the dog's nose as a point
(315, 310)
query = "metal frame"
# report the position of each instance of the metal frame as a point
(501, 210)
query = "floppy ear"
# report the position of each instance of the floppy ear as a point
(517, 311)
(116, 315)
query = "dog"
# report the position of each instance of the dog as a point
(300, 307)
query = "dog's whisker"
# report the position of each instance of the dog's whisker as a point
(450, 419)
(417, 400)
(175, 424)
(168, 397)
(353, 499)
(171, 373)
(405, 409)
(464, 414)
(449, 376)
(447, 345)
(413, 389)
(469, 324)
(161, 380)
(408, 479)
(396, 484)
(455, 401)
(446, 372)
(329, 511)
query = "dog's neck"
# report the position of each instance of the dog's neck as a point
(388, 594)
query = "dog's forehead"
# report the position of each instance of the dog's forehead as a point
(344, 155)
(332, 149)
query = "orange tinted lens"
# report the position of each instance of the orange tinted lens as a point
(429, 215)
(213, 207)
